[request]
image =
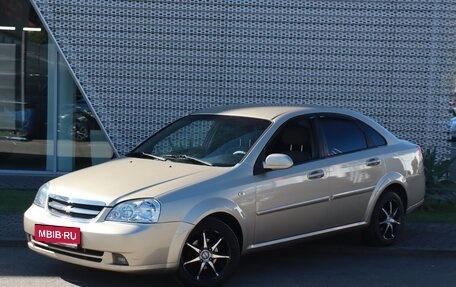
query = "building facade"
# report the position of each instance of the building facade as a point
(102, 75)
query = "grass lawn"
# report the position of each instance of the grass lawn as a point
(16, 200)
(438, 212)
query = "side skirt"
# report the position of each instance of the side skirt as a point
(306, 235)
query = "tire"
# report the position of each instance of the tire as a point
(387, 220)
(210, 255)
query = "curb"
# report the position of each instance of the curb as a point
(392, 250)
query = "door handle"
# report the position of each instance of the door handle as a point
(373, 161)
(316, 174)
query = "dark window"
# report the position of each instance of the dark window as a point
(375, 139)
(342, 135)
(294, 138)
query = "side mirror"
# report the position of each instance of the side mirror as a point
(277, 161)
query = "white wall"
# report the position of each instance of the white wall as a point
(142, 64)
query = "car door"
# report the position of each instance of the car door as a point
(293, 201)
(355, 165)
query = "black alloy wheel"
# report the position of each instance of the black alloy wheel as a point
(388, 219)
(210, 255)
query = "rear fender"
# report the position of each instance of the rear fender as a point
(382, 185)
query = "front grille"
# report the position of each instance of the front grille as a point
(80, 253)
(75, 208)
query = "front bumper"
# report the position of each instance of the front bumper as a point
(146, 247)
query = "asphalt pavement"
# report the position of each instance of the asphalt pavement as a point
(417, 238)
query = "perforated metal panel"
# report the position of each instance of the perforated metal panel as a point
(142, 64)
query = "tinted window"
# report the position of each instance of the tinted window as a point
(342, 135)
(375, 139)
(204, 139)
(294, 139)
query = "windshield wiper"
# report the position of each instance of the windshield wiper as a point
(186, 157)
(146, 155)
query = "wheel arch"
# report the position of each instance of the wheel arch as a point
(394, 182)
(232, 222)
(399, 190)
(221, 209)
(224, 210)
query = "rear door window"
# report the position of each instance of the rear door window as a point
(342, 135)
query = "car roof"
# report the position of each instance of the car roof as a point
(273, 112)
(268, 111)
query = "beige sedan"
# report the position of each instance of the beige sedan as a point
(225, 181)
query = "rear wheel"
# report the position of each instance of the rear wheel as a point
(210, 255)
(387, 221)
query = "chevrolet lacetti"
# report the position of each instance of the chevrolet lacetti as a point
(225, 181)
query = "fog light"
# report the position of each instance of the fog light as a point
(119, 259)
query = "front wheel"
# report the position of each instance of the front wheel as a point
(387, 220)
(210, 255)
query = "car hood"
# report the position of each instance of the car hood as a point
(128, 178)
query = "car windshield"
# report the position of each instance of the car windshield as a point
(203, 139)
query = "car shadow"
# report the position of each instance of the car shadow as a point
(19, 262)
(271, 262)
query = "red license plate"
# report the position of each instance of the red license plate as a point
(57, 234)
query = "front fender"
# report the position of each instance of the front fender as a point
(204, 209)
(211, 206)
(382, 184)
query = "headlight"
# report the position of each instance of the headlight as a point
(138, 211)
(41, 195)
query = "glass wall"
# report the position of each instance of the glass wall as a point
(45, 123)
